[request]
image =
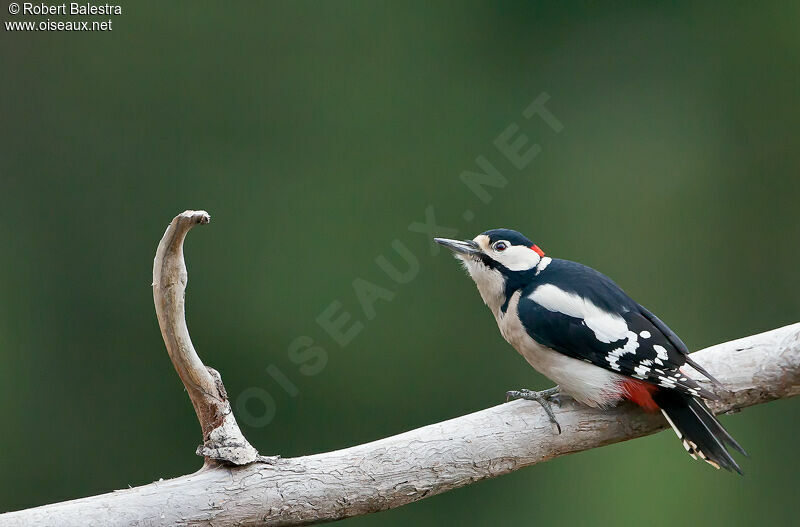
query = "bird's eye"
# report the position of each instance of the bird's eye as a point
(500, 246)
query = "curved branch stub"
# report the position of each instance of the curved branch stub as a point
(222, 439)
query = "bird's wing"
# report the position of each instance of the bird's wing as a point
(676, 341)
(626, 340)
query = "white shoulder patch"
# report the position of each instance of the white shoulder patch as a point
(607, 327)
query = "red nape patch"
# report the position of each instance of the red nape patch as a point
(640, 393)
(537, 250)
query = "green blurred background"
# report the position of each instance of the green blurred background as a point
(315, 133)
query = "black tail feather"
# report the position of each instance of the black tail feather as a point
(718, 452)
(702, 435)
(714, 426)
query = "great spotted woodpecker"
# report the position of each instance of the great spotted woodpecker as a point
(578, 328)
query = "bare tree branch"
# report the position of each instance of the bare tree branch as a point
(222, 439)
(393, 471)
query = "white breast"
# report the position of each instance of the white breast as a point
(583, 381)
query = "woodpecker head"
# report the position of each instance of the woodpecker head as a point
(499, 261)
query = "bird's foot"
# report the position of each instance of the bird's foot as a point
(545, 398)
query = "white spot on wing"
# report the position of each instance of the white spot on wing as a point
(666, 382)
(645, 334)
(661, 352)
(630, 347)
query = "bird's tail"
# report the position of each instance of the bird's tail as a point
(702, 435)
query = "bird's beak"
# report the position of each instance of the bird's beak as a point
(467, 247)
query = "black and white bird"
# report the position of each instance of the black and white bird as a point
(578, 328)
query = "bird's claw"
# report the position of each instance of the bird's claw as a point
(544, 398)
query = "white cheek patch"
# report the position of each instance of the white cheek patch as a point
(517, 258)
(607, 327)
